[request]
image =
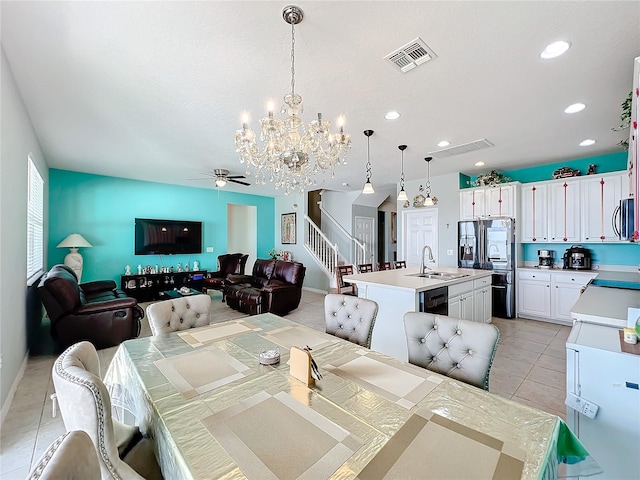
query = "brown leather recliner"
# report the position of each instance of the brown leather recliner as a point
(94, 311)
(275, 286)
(228, 264)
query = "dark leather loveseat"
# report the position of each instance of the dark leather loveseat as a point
(94, 311)
(275, 286)
(228, 264)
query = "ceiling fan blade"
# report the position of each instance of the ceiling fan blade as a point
(203, 178)
(236, 176)
(238, 181)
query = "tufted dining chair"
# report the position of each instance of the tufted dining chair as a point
(350, 318)
(399, 264)
(459, 349)
(384, 266)
(71, 456)
(179, 314)
(85, 405)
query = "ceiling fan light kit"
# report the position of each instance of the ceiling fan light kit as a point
(291, 158)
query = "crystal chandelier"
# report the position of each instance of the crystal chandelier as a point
(287, 146)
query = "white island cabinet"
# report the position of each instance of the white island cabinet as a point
(398, 291)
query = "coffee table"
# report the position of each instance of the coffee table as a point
(175, 293)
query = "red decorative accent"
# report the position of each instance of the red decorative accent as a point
(565, 211)
(500, 201)
(533, 213)
(602, 209)
(473, 204)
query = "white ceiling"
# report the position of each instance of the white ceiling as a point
(155, 90)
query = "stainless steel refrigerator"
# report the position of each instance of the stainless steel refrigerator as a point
(489, 244)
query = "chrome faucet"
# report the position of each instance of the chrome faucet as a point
(431, 259)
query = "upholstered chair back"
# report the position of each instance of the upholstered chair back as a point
(179, 314)
(85, 405)
(262, 272)
(350, 318)
(460, 349)
(288, 272)
(71, 456)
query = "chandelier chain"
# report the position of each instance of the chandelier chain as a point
(293, 58)
(402, 172)
(368, 160)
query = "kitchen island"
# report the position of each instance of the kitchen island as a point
(399, 291)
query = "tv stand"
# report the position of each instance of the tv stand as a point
(149, 287)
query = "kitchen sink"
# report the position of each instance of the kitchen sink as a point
(439, 275)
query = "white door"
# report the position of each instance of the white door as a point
(534, 213)
(365, 233)
(564, 212)
(600, 197)
(420, 229)
(500, 200)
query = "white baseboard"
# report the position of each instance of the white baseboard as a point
(12, 391)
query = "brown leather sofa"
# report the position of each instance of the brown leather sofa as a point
(275, 286)
(94, 311)
(228, 264)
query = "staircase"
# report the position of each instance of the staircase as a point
(326, 253)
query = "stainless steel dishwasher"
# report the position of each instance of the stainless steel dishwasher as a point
(435, 300)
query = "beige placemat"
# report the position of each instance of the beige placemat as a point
(432, 447)
(400, 384)
(197, 337)
(202, 370)
(273, 436)
(298, 336)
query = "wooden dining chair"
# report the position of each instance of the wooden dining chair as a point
(399, 264)
(345, 288)
(365, 267)
(384, 266)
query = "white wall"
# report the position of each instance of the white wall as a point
(18, 141)
(446, 189)
(241, 232)
(314, 277)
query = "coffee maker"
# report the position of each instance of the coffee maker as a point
(545, 258)
(577, 258)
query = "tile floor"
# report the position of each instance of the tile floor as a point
(529, 368)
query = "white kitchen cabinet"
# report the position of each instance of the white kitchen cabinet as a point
(471, 300)
(494, 201)
(534, 294)
(601, 194)
(565, 291)
(534, 217)
(564, 211)
(461, 300)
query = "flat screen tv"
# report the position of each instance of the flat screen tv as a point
(167, 237)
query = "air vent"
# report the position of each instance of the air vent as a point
(411, 55)
(462, 148)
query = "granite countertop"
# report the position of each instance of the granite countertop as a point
(404, 279)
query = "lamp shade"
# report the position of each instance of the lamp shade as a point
(368, 188)
(74, 240)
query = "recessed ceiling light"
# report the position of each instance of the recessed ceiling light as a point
(587, 142)
(555, 49)
(479, 164)
(575, 108)
(443, 143)
(345, 184)
(392, 115)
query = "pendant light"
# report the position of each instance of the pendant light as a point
(429, 201)
(402, 196)
(368, 188)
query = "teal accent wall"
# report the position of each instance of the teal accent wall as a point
(612, 162)
(601, 253)
(102, 209)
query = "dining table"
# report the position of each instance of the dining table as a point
(214, 411)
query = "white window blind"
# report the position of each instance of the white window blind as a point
(35, 222)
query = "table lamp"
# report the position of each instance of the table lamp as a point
(73, 258)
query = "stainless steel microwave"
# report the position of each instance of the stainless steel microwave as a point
(623, 220)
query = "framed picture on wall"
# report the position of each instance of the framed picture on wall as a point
(288, 228)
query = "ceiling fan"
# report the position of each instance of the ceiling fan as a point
(221, 177)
